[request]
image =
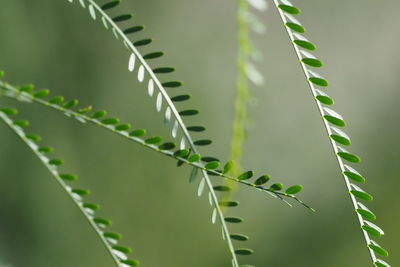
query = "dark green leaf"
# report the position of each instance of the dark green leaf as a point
(91, 206)
(153, 55)
(138, 132)
(164, 70)
(305, 44)
(290, 9)
(228, 166)
(46, 149)
(243, 251)
(228, 203)
(122, 17)
(367, 214)
(99, 114)
(9, 111)
(71, 104)
(212, 165)
(123, 127)
(110, 5)
(21, 123)
(381, 263)
(172, 84)
(110, 121)
(196, 128)
(112, 235)
(56, 162)
(56, 100)
(102, 221)
(294, 189)
(180, 98)
(354, 176)
(69, 177)
(319, 81)
(373, 229)
(276, 187)
(239, 237)
(362, 195)
(189, 112)
(296, 27)
(34, 138)
(262, 179)
(131, 262)
(142, 42)
(182, 153)
(325, 99)
(167, 146)
(312, 62)
(349, 157)
(42, 93)
(27, 88)
(341, 139)
(335, 120)
(378, 249)
(123, 249)
(209, 159)
(81, 192)
(222, 188)
(203, 142)
(233, 219)
(246, 175)
(133, 29)
(194, 158)
(153, 140)
(85, 110)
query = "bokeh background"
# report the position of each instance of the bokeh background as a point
(56, 45)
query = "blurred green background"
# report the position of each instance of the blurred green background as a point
(56, 45)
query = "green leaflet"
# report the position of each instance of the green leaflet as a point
(276, 187)
(239, 237)
(341, 139)
(233, 219)
(290, 9)
(246, 175)
(244, 251)
(262, 180)
(312, 62)
(319, 81)
(296, 27)
(362, 195)
(378, 249)
(21, 123)
(212, 165)
(294, 189)
(305, 44)
(349, 157)
(228, 166)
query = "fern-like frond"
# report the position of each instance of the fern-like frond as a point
(110, 240)
(156, 87)
(332, 120)
(69, 108)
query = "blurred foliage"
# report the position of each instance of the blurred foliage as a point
(55, 45)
